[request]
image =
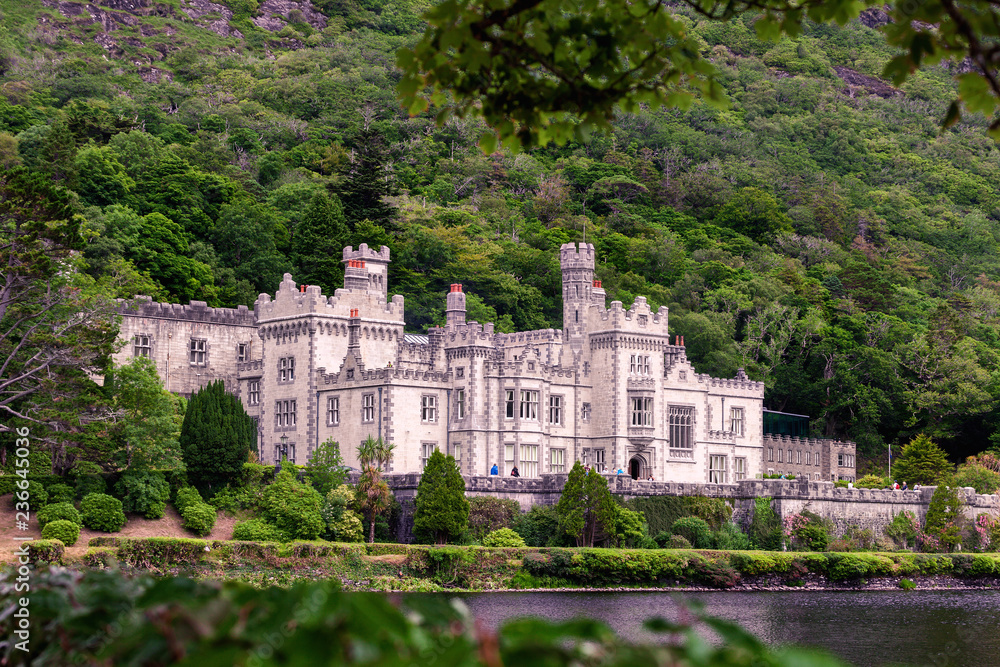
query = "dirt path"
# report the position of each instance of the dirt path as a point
(136, 526)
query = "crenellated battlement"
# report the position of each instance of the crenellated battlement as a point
(195, 311)
(571, 257)
(364, 253)
(292, 300)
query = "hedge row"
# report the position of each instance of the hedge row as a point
(94, 482)
(480, 567)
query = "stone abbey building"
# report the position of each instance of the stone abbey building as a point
(612, 389)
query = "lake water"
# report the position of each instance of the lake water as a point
(940, 628)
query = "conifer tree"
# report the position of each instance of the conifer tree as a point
(585, 505)
(442, 510)
(922, 462)
(216, 437)
(319, 241)
(944, 515)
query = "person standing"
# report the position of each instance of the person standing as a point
(514, 472)
(494, 470)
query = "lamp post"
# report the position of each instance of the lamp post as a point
(280, 453)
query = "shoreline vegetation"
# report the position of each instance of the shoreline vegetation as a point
(384, 567)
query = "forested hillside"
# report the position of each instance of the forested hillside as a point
(821, 232)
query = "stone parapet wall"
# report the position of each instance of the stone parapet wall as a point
(196, 311)
(872, 509)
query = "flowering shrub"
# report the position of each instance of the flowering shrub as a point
(904, 530)
(805, 531)
(987, 533)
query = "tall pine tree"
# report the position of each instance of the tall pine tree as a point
(216, 437)
(363, 192)
(318, 243)
(442, 510)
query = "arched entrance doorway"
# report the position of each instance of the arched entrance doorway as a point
(635, 467)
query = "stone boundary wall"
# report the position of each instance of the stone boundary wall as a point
(862, 508)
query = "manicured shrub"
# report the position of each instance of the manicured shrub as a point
(45, 551)
(503, 537)
(88, 484)
(293, 507)
(983, 566)
(694, 530)
(58, 512)
(257, 530)
(61, 493)
(102, 512)
(144, 493)
(216, 437)
(199, 518)
(765, 526)
(187, 495)
(66, 532)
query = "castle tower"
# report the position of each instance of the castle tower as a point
(366, 269)
(455, 309)
(578, 285)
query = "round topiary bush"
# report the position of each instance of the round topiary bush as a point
(102, 512)
(199, 518)
(256, 530)
(187, 496)
(503, 537)
(66, 532)
(694, 530)
(871, 482)
(61, 493)
(58, 512)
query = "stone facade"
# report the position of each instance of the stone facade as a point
(809, 458)
(611, 389)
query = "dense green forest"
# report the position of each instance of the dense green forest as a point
(821, 232)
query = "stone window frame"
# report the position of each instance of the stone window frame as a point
(639, 364)
(560, 453)
(809, 458)
(585, 411)
(717, 475)
(676, 415)
(253, 392)
(368, 408)
(739, 468)
(456, 453)
(285, 414)
(198, 351)
(556, 409)
(242, 352)
(286, 370)
(641, 410)
(460, 403)
(333, 410)
(781, 454)
(528, 467)
(428, 409)
(798, 457)
(509, 463)
(529, 404)
(600, 459)
(142, 345)
(770, 454)
(510, 393)
(737, 420)
(291, 452)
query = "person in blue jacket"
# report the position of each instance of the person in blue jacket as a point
(494, 470)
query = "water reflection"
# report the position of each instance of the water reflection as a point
(940, 628)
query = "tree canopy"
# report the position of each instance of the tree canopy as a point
(555, 70)
(442, 510)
